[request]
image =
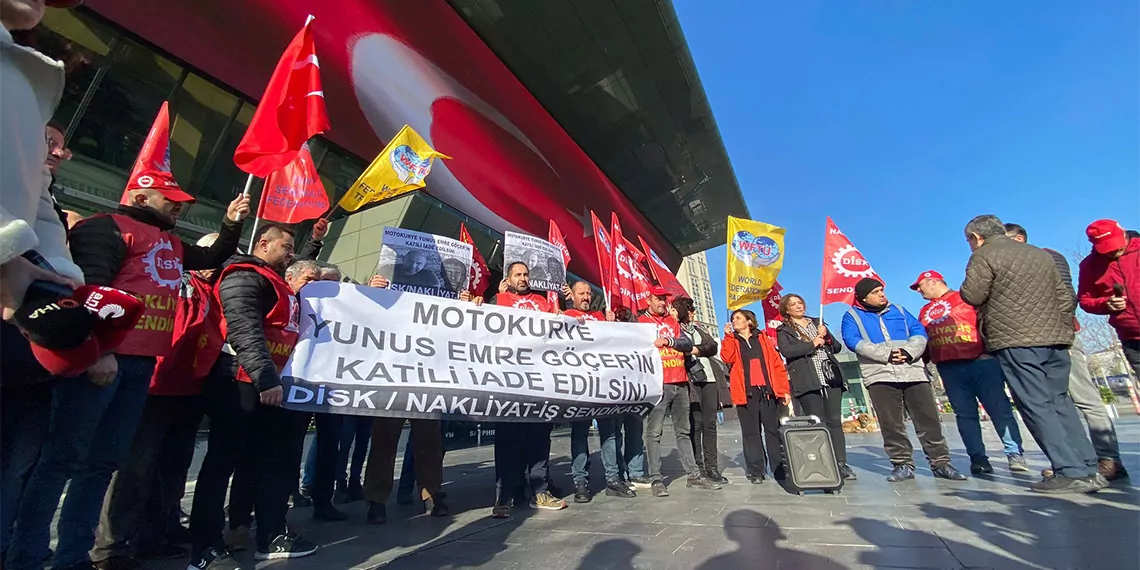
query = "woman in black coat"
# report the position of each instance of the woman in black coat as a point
(813, 371)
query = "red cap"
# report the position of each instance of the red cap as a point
(659, 291)
(1106, 236)
(932, 274)
(116, 313)
(163, 183)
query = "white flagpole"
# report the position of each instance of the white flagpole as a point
(245, 192)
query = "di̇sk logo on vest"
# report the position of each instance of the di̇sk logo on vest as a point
(162, 265)
(937, 312)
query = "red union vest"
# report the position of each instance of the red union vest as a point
(589, 315)
(281, 324)
(528, 301)
(672, 362)
(952, 329)
(196, 343)
(152, 271)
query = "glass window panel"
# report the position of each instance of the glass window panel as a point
(224, 181)
(84, 46)
(200, 112)
(338, 170)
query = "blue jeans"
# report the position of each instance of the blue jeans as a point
(1039, 380)
(580, 451)
(89, 436)
(358, 429)
(629, 463)
(968, 382)
(309, 470)
(25, 414)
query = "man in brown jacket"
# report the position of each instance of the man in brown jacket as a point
(1026, 316)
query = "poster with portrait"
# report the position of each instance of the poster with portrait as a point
(427, 264)
(542, 258)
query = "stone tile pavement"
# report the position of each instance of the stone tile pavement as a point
(989, 522)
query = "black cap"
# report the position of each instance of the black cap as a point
(865, 286)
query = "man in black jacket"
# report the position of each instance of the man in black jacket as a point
(95, 416)
(242, 398)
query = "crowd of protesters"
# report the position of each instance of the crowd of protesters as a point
(216, 326)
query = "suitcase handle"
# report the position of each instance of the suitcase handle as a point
(810, 420)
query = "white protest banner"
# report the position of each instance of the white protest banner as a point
(424, 263)
(380, 352)
(542, 258)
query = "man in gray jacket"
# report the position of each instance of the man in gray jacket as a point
(1027, 323)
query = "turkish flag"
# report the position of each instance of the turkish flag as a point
(291, 110)
(155, 152)
(480, 273)
(661, 272)
(555, 237)
(771, 307)
(843, 267)
(604, 247)
(294, 193)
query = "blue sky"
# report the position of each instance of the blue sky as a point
(902, 120)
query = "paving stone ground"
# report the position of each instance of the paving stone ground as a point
(990, 522)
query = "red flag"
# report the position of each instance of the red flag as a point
(294, 193)
(621, 277)
(843, 267)
(604, 248)
(771, 306)
(290, 112)
(555, 237)
(639, 275)
(155, 152)
(480, 273)
(661, 272)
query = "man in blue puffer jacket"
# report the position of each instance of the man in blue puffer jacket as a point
(889, 343)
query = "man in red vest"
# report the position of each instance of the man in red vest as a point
(95, 417)
(674, 397)
(968, 373)
(242, 397)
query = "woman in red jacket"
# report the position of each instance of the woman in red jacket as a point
(759, 385)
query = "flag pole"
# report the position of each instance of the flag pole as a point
(253, 233)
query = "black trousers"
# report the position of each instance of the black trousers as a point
(242, 428)
(826, 404)
(521, 448)
(141, 502)
(894, 399)
(760, 430)
(704, 403)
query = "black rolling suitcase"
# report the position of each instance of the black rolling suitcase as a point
(811, 463)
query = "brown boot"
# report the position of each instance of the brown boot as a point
(1111, 469)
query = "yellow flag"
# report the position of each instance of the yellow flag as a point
(400, 168)
(755, 257)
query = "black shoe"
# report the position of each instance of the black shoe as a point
(756, 479)
(287, 545)
(1058, 484)
(779, 473)
(328, 513)
(118, 563)
(949, 472)
(300, 501)
(340, 496)
(716, 477)
(701, 482)
(355, 491)
(982, 467)
(582, 492)
(901, 473)
(439, 506)
(847, 472)
(377, 513)
(618, 488)
(214, 559)
(659, 490)
(165, 551)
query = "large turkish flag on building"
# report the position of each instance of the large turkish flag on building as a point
(843, 267)
(291, 110)
(294, 193)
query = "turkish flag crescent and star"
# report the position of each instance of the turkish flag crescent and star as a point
(771, 306)
(555, 237)
(291, 110)
(155, 152)
(843, 267)
(294, 193)
(661, 272)
(480, 273)
(604, 247)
